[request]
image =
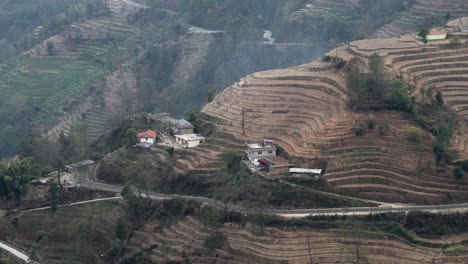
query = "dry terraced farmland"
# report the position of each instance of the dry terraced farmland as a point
(185, 240)
(421, 12)
(305, 110)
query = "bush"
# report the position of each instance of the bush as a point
(464, 165)
(458, 173)
(384, 126)
(214, 241)
(371, 124)
(418, 148)
(415, 134)
(170, 151)
(360, 129)
(454, 250)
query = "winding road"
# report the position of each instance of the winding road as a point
(15, 252)
(294, 213)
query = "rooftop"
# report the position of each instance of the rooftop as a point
(182, 123)
(437, 32)
(148, 134)
(273, 160)
(300, 170)
(266, 144)
(80, 164)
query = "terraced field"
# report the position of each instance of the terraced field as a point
(77, 234)
(345, 11)
(422, 12)
(111, 45)
(304, 109)
(185, 240)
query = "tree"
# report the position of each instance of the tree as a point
(360, 128)
(384, 126)
(414, 134)
(458, 173)
(455, 41)
(50, 47)
(230, 160)
(16, 178)
(423, 34)
(121, 230)
(438, 98)
(53, 196)
(130, 138)
(371, 124)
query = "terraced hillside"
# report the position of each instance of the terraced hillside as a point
(113, 46)
(304, 109)
(346, 11)
(185, 241)
(422, 12)
(77, 234)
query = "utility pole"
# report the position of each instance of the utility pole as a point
(243, 121)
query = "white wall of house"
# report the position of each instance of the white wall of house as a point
(147, 140)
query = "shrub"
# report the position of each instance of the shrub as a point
(458, 173)
(360, 129)
(170, 151)
(214, 241)
(464, 165)
(415, 134)
(384, 126)
(418, 148)
(438, 98)
(371, 124)
(454, 250)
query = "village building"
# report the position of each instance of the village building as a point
(256, 151)
(437, 35)
(273, 162)
(189, 140)
(148, 136)
(181, 127)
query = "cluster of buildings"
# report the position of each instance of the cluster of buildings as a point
(180, 131)
(263, 155)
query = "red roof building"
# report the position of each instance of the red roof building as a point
(147, 136)
(437, 35)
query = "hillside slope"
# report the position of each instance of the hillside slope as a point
(305, 110)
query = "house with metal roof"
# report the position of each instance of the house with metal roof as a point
(273, 162)
(181, 127)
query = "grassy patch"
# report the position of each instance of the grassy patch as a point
(454, 250)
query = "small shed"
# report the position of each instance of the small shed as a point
(437, 35)
(148, 136)
(305, 172)
(271, 162)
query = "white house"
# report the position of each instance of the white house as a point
(189, 140)
(256, 151)
(147, 136)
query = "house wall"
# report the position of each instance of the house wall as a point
(436, 37)
(254, 154)
(147, 140)
(184, 131)
(193, 143)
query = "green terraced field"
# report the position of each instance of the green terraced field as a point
(46, 83)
